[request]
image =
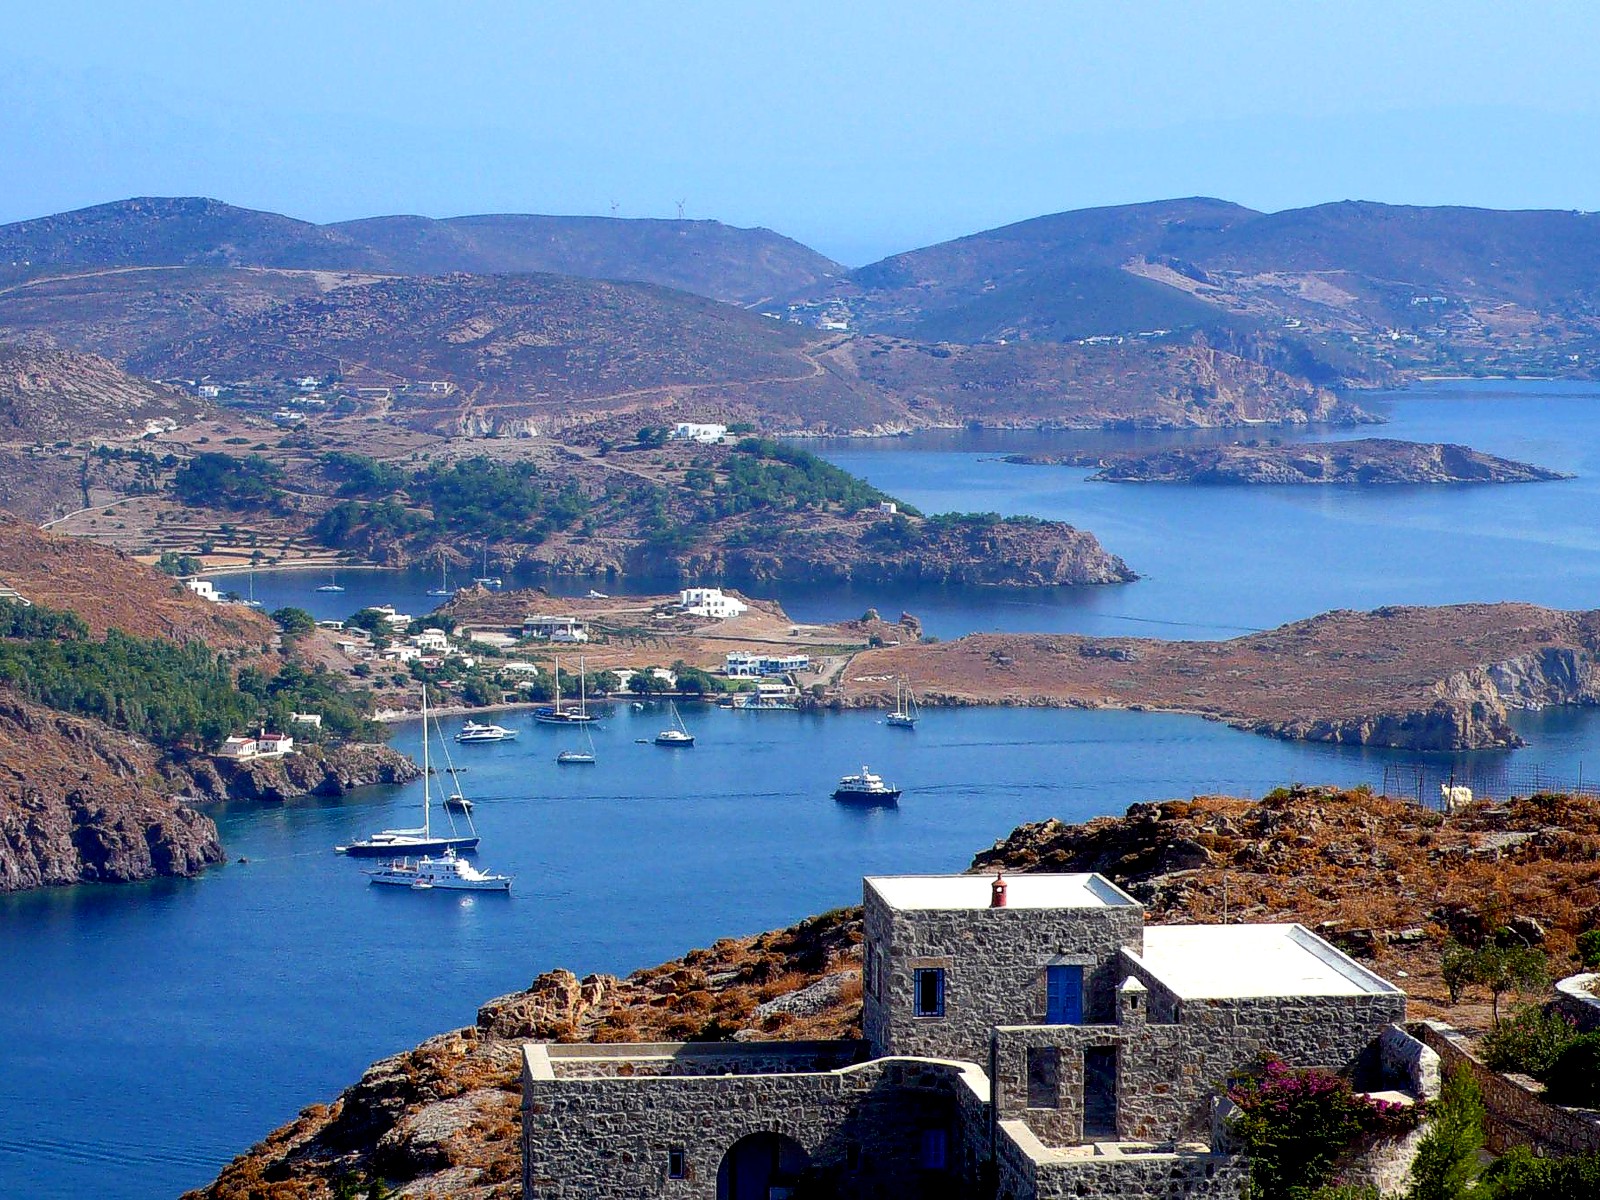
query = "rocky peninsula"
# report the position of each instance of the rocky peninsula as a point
(1363, 462)
(442, 1119)
(1411, 678)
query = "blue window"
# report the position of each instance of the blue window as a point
(930, 991)
(1063, 996)
(935, 1150)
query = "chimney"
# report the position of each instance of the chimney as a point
(997, 892)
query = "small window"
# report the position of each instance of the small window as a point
(677, 1163)
(1044, 1077)
(930, 991)
(934, 1150)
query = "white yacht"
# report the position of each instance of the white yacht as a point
(332, 585)
(866, 788)
(474, 731)
(445, 873)
(905, 712)
(389, 842)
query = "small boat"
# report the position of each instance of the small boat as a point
(905, 712)
(638, 706)
(445, 873)
(677, 737)
(387, 843)
(576, 758)
(474, 731)
(252, 602)
(866, 788)
(594, 595)
(331, 586)
(456, 802)
(489, 581)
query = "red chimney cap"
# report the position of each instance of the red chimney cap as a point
(997, 891)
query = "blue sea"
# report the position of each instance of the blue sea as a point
(154, 1030)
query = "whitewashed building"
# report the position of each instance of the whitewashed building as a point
(690, 431)
(745, 664)
(711, 602)
(205, 589)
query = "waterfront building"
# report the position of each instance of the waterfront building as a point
(745, 664)
(1025, 1036)
(205, 589)
(689, 431)
(711, 602)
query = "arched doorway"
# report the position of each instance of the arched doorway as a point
(756, 1165)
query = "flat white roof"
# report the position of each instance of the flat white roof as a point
(1232, 962)
(1022, 891)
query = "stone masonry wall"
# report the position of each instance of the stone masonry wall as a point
(1518, 1114)
(994, 961)
(1024, 1168)
(1167, 1074)
(611, 1136)
(1576, 1000)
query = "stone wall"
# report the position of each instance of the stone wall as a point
(1518, 1114)
(1575, 998)
(1025, 1168)
(631, 1059)
(994, 961)
(862, 1128)
(1167, 1074)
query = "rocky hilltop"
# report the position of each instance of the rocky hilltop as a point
(1365, 462)
(1413, 678)
(81, 803)
(442, 1119)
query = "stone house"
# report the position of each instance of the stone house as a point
(1025, 1037)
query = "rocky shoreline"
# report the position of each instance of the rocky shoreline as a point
(1441, 679)
(1364, 462)
(83, 803)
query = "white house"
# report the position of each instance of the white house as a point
(555, 629)
(401, 654)
(205, 589)
(396, 620)
(312, 719)
(744, 664)
(888, 507)
(518, 667)
(689, 431)
(238, 747)
(431, 641)
(273, 745)
(711, 602)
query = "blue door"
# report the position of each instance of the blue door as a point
(1063, 996)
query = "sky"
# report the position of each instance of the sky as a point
(859, 129)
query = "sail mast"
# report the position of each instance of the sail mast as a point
(425, 759)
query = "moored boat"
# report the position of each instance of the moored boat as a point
(677, 737)
(474, 731)
(866, 788)
(445, 873)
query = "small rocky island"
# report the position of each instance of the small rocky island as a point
(1364, 462)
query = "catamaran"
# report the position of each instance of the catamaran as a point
(905, 712)
(555, 714)
(388, 842)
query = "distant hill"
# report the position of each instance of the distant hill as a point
(705, 257)
(1358, 287)
(708, 258)
(46, 395)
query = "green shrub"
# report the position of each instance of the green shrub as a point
(1519, 1175)
(1589, 950)
(1447, 1157)
(1529, 1041)
(1574, 1077)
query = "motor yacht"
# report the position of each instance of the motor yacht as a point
(866, 788)
(445, 873)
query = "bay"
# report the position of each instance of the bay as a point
(155, 1030)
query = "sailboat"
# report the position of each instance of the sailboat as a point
(252, 602)
(905, 712)
(388, 842)
(555, 714)
(332, 585)
(579, 758)
(486, 579)
(444, 588)
(678, 736)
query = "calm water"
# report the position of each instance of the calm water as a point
(155, 1030)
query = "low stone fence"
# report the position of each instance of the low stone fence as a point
(1575, 997)
(630, 1059)
(1024, 1166)
(1518, 1114)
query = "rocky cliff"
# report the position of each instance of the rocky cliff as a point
(312, 771)
(81, 803)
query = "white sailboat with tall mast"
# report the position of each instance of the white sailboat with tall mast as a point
(580, 758)
(444, 588)
(422, 840)
(905, 712)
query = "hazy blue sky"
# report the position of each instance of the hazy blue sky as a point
(859, 128)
